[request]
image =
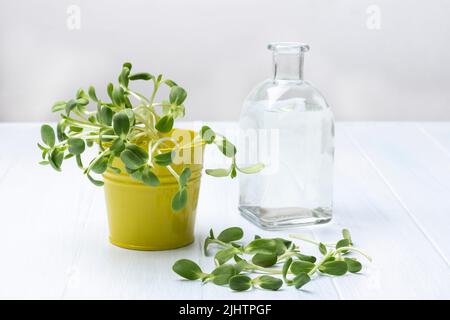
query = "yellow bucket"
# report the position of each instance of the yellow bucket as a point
(141, 217)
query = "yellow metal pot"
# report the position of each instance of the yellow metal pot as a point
(141, 217)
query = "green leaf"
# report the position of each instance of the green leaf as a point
(231, 234)
(252, 169)
(335, 268)
(60, 127)
(100, 165)
(123, 77)
(82, 101)
(48, 135)
(163, 159)
(269, 283)
(165, 124)
(109, 90)
(76, 146)
(118, 97)
(303, 257)
(105, 115)
(133, 157)
(117, 146)
(170, 83)
(98, 183)
(184, 177)
(58, 106)
(177, 95)
(140, 76)
(284, 271)
(346, 235)
(179, 200)
(217, 172)
(322, 248)
(79, 162)
(240, 283)
(226, 147)
(353, 265)
(127, 65)
(342, 243)
(44, 163)
(92, 94)
(56, 158)
(70, 105)
(187, 269)
(264, 259)
(149, 178)
(262, 245)
(300, 266)
(207, 134)
(121, 124)
(226, 254)
(300, 280)
(222, 274)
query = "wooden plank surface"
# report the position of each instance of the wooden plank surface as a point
(392, 187)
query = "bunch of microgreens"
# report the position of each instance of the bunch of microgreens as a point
(134, 133)
(268, 257)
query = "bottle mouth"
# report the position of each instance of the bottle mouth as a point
(288, 47)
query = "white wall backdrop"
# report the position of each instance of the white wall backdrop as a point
(373, 60)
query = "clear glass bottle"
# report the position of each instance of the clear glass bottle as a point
(287, 125)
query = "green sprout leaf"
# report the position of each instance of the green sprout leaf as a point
(226, 147)
(48, 135)
(58, 106)
(56, 158)
(100, 165)
(165, 124)
(121, 124)
(240, 283)
(222, 274)
(179, 200)
(300, 266)
(252, 169)
(218, 172)
(76, 146)
(187, 269)
(97, 183)
(346, 235)
(342, 243)
(285, 270)
(335, 268)
(231, 234)
(207, 134)
(300, 280)
(117, 146)
(133, 157)
(184, 177)
(163, 159)
(322, 248)
(268, 282)
(105, 116)
(149, 178)
(353, 265)
(92, 94)
(268, 246)
(141, 76)
(177, 95)
(225, 255)
(264, 259)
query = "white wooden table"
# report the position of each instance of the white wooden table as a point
(392, 190)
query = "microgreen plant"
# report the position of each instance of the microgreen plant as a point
(133, 128)
(271, 261)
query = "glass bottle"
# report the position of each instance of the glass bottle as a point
(287, 125)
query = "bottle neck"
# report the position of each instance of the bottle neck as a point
(288, 65)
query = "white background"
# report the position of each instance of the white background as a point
(217, 51)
